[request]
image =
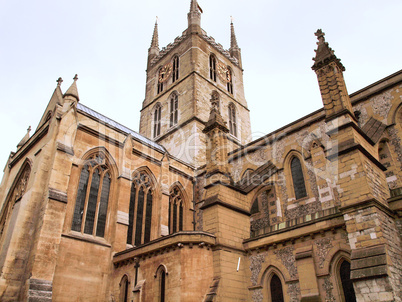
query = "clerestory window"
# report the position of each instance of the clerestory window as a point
(176, 209)
(298, 178)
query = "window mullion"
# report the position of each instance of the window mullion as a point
(98, 203)
(84, 214)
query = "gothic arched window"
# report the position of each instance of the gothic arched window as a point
(347, 285)
(298, 178)
(124, 284)
(212, 68)
(16, 193)
(157, 120)
(176, 211)
(160, 80)
(174, 109)
(229, 78)
(140, 210)
(91, 205)
(275, 286)
(162, 285)
(175, 75)
(232, 120)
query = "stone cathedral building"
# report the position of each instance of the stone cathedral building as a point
(189, 209)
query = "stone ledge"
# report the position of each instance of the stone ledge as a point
(58, 195)
(369, 272)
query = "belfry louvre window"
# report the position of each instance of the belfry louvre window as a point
(140, 210)
(174, 109)
(298, 178)
(232, 120)
(157, 120)
(212, 68)
(175, 75)
(92, 197)
(175, 211)
(230, 81)
(160, 80)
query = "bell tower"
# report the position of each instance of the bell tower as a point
(182, 78)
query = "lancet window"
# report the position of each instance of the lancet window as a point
(175, 73)
(212, 68)
(275, 286)
(157, 120)
(92, 200)
(232, 120)
(176, 209)
(229, 83)
(174, 109)
(298, 178)
(140, 210)
(160, 80)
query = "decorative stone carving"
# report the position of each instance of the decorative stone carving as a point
(256, 262)
(287, 258)
(323, 247)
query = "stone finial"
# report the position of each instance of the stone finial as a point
(324, 54)
(25, 138)
(59, 81)
(73, 90)
(194, 17)
(320, 36)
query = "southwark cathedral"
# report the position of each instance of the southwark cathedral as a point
(189, 209)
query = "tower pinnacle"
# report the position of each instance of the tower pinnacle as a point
(194, 17)
(234, 50)
(153, 51)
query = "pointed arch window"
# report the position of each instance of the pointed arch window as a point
(275, 287)
(174, 109)
(229, 84)
(162, 285)
(92, 200)
(212, 68)
(176, 211)
(124, 284)
(299, 185)
(160, 80)
(140, 210)
(347, 285)
(8, 212)
(232, 120)
(157, 120)
(175, 73)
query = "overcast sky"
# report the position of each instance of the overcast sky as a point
(106, 43)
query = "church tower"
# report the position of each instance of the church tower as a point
(182, 80)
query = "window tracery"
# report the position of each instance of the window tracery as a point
(140, 210)
(92, 199)
(176, 210)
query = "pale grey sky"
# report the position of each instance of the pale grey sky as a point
(106, 43)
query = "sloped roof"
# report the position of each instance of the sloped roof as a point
(374, 129)
(109, 122)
